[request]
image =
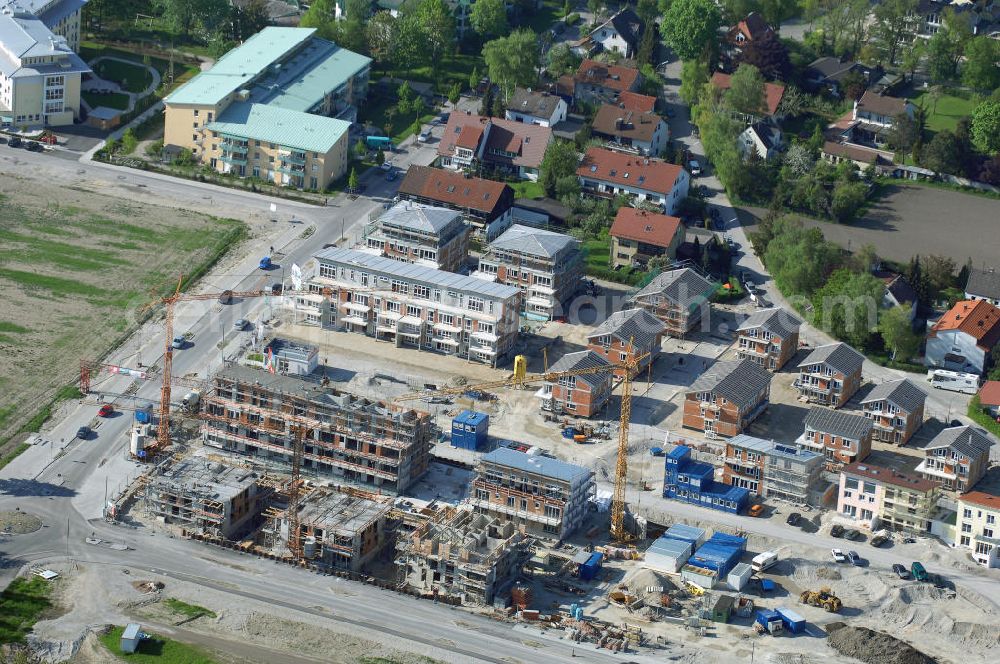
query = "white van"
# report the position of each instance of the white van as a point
(763, 561)
(954, 381)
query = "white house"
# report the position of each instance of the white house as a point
(761, 139)
(963, 338)
(621, 33)
(606, 173)
(536, 107)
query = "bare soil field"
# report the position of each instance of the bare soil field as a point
(76, 268)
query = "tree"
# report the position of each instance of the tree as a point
(904, 133)
(320, 15)
(793, 102)
(512, 61)
(437, 25)
(568, 189)
(798, 258)
(182, 15)
(560, 160)
(940, 59)
(499, 107)
(895, 25)
(853, 85)
(847, 306)
(382, 35)
(404, 93)
(379, 158)
(486, 103)
(776, 12)
(980, 71)
(846, 200)
(944, 153)
(567, 9)
(595, 7)
(694, 76)
(562, 60)
(746, 91)
(769, 56)
(129, 141)
(799, 160)
(489, 18)
(896, 329)
(690, 27)
(912, 57)
(646, 10)
(940, 272)
(359, 149)
(455, 93)
(986, 126)
(647, 46)
(248, 20)
(352, 180)
(474, 78)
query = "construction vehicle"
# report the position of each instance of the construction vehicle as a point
(824, 597)
(521, 379)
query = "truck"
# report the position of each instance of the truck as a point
(954, 381)
(762, 561)
(190, 401)
(378, 143)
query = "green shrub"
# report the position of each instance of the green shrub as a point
(572, 19)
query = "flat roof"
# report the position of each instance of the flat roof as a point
(539, 465)
(198, 475)
(292, 129)
(341, 512)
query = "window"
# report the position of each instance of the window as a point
(988, 532)
(966, 513)
(869, 487)
(510, 501)
(196, 112)
(413, 311)
(421, 291)
(966, 527)
(991, 519)
(476, 304)
(851, 483)
(964, 541)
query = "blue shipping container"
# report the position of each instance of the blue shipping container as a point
(793, 622)
(470, 430)
(589, 569)
(143, 416)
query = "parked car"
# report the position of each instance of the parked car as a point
(240, 325)
(226, 297)
(879, 540)
(938, 580)
(386, 166)
(852, 534)
(756, 510)
(838, 555)
(107, 410)
(178, 342)
(901, 571)
(277, 288)
(855, 559)
(793, 519)
(83, 433)
(837, 531)
(918, 572)
(391, 176)
(265, 263)
(694, 167)
(34, 146)
(14, 142)
(424, 136)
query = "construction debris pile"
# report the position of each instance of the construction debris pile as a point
(873, 647)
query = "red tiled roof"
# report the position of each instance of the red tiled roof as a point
(633, 101)
(752, 27)
(452, 188)
(772, 91)
(658, 230)
(469, 137)
(455, 132)
(526, 141)
(625, 169)
(636, 126)
(990, 394)
(613, 77)
(977, 318)
(982, 499)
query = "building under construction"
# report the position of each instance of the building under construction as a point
(340, 527)
(463, 556)
(207, 497)
(348, 439)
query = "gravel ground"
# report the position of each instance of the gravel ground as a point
(19, 523)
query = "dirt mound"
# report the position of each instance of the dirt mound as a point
(19, 523)
(828, 574)
(875, 647)
(147, 586)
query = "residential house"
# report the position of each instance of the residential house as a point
(542, 496)
(896, 409)
(989, 398)
(644, 133)
(979, 526)
(694, 482)
(841, 437)
(745, 32)
(507, 146)
(963, 338)
(413, 306)
(874, 115)
(423, 234)
(486, 204)
(545, 266)
(635, 102)
(831, 74)
(639, 235)
(861, 156)
(773, 94)
(634, 331)
(876, 497)
(584, 395)
(830, 375)
(606, 173)
(769, 337)
(981, 17)
(772, 470)
(596, 82)
(621, 33)
(761, 139)
(957, 458)
(898, 292)
(984, 284)
(536, 107)
(726, 398)
(278, 107)
(680, 298)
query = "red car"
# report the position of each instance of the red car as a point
(106, 410)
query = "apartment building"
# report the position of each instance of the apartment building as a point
(963, 338)
(543, 496)
(40, 73)
(643, 133)
(495, 144)
(415, 306)
(769, 337)
(841, 437)
(536, 107)
(896, 409)
(278, 108)
(693, 482)
(958, 457)
(634, 331)
(772, 470)
(431, 236)
(639, 235)
(545, 266)
(462, 556)
(679, 298)
(979, 526)
(726, 398)
(876, 497)
(830, 375)
(606, 173)
(583, 396)
(485, 204)
(348, 439)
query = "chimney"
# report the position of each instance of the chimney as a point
(618, 123)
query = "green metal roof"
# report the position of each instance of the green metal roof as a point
(291, 129)
(333, 67)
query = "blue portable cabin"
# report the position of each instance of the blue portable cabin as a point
(144, 415)
(693, 482)
(589, 569)
(721, 553)
(770, 620)
(792, 621)
(470, 430)
(378, 143)
(685, 533)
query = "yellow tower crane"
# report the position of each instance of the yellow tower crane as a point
(521, 379)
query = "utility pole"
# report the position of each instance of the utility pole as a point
(341, 229)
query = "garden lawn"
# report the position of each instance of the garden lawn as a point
(114, 100)
(133, 78)
(154, 650)
(947, 112)
(376, 112)
(21, 605)
(527, 189)
(543, 18)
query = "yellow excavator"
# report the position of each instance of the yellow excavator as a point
(824, 597)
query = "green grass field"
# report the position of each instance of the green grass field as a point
(154, 650)
(544, 17)
(116, 100)
(527, 189)
(21, 606)
(189, 610)
(132, 78)
(947, 112)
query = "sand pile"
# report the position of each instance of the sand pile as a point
(828, 574)
(875, 647)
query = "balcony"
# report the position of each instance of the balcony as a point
(293, 158)
(753, 350)
(240, 148)
(942, 473)
(294, 171)
(233, 159)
